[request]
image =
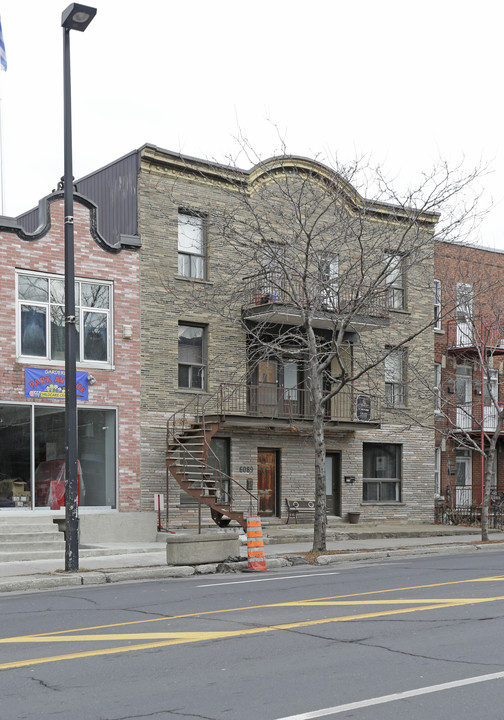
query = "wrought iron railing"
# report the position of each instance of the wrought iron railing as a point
(273, 401)
(277, 289)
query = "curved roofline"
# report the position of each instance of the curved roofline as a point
(230, 173)
(13, 225)
(327, 174)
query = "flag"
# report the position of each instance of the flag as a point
(3, 56)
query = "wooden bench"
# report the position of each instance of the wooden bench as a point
(299, 507)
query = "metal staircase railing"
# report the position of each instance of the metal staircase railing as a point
(188, 445)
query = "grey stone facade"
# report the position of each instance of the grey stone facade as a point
(167, 184)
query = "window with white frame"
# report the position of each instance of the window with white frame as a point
(396, 281)
(191, 246)
(41, 318)
(437, 304)
(395, 377)
(465, 308)
(382, 472)
(191, 357)
(437, 387)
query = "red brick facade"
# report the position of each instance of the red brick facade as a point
(482, 270)
(117, 387)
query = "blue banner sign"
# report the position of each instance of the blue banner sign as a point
(40, 383)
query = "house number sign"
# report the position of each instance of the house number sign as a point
(247, 469)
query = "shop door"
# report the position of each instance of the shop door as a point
(333, 484)
(266, 481)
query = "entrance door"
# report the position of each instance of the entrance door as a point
(266, 481)
(464, 397)
(333, 484)
(464, 479)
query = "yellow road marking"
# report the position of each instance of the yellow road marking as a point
(402, 601)
(179, 638)
(274, 605)
(176, 638)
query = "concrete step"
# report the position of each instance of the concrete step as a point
(21, 555)
(29, 537)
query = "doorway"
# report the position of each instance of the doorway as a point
(333, 483)
(267, 478)
(464, 478)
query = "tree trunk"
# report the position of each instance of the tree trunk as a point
(320, 522)
(487, 484)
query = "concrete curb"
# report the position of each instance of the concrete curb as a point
(51, 581)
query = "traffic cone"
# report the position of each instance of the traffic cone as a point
(255, 546)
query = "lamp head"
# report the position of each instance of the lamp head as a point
(77, 17)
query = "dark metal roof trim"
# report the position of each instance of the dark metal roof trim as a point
(127, 242)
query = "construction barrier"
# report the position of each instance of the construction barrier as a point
(255, 545)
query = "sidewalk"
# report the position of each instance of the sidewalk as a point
(282, 545)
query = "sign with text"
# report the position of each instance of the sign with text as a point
(43, 383)
(363, 407)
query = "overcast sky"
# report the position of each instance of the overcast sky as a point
(403, 84)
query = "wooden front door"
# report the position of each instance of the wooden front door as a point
(266, 481)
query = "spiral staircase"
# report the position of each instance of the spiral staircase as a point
(188, 447)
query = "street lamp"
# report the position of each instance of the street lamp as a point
(75, 17)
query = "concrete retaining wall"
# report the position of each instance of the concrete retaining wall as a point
(198, 549)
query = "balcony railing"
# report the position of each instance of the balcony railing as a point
(471, 332)
(273, 401)
(275, 289)
(469, 417)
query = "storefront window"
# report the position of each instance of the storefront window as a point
(15, 424)
(96, 457)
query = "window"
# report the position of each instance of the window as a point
(437, 471)
(191, 353)
(465, 304)
(382, 472)
(395, 385)
(395, 281)
(437, 387)
(38, 432)
(437, 304)
(191, 246)
(41, 318)
(328, 277)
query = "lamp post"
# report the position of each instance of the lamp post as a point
(75, 17)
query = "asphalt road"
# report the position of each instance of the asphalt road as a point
(419, 638)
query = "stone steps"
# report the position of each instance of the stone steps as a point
(29, 538)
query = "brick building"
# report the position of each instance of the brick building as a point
(32, 361)
(468, 368)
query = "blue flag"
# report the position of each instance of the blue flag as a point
(3, 56)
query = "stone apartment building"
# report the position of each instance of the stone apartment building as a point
(206, 296)
(206, 377)
(468, 368)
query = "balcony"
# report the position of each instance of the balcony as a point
(272, 298)
(275, 402)
(467, 335)
(469, 417)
